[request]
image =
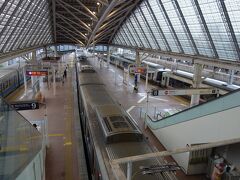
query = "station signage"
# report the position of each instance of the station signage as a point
(36, 73)
(25, 105)
(140, 70)
(179, 92)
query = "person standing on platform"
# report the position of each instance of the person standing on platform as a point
(65, 73)
(63, 79)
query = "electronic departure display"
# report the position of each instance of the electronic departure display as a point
(36, 73)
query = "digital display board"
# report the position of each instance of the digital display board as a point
(36, 73)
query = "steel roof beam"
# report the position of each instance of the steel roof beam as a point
(121, 9)
(13, 54)
(79, 32)
(99, 40)
(185, 25)
(102, 19)
(88, 10)
(117, 18)
(68, 37)
(104, 2)
(72, 7)
(67, 19)
(69, 33)
(77, 18)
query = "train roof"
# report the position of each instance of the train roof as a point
(5, 72)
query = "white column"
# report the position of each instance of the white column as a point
(25, 80)
(197, 79)
(231, 77)
(54, 81)
(55, 51)
(45, 49)
(34, 60)
(34, 55)
(108, 57)
(129, 170)
(146, 85)
(138, 61)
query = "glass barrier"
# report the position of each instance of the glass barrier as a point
(19, 142)
(228, 101)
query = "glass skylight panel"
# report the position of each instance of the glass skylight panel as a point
(132, 33)
(164, 25)
(22, 25)
(217, 29)
(200, 38)
(139, 32)
(178, 26)
(129, 35)
(233, 8)
(125, 40)
(146, 29)
(152, 23)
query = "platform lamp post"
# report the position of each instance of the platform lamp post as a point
(54, 80)
(46, 125)
(25, 80)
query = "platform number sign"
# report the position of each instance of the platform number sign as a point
(25, 105)
(154, 92)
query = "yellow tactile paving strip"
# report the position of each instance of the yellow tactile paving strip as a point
(68, 133)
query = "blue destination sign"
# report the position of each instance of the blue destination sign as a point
(25, 105)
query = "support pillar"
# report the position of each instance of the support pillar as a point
(34, 55)
(138, 61)
(231, 77)
(146, 84)
(55, 51)
(34, 61)
(25, 80)
(54, 80)
(129, 170)
(197, 79)
(108, 56)
(45, 50)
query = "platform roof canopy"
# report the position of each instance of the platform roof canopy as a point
(204, 28)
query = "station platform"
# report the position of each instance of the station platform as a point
(136, 104)
(65, 158)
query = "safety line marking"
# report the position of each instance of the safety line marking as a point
(131, 108)
(55, 135)
(142, 99)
